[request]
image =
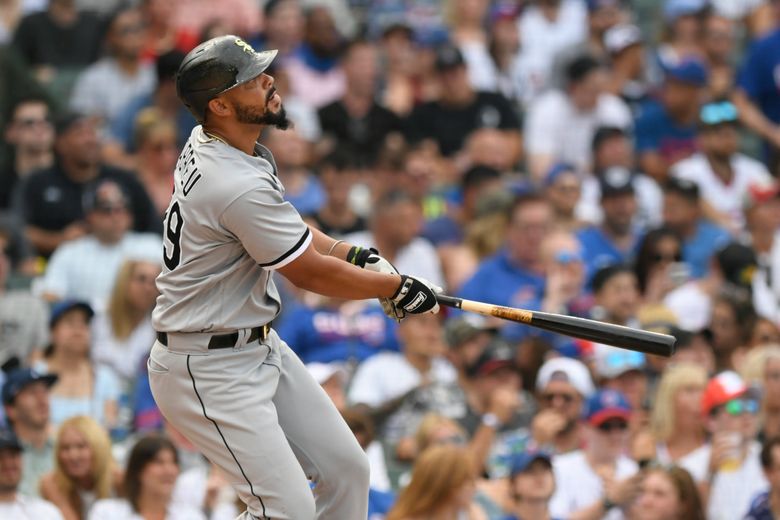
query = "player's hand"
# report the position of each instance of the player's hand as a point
(374, 262)
(416, 295)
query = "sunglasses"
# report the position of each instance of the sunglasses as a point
(552, 396)
(611, 426)
(677, 257)
(717, 113)
(740, 406)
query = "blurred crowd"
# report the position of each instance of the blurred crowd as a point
(609, 159)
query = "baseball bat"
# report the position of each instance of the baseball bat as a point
(592, 330)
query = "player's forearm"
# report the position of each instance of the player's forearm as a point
(328, 245)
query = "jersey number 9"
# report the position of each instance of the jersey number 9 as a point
(173, 225)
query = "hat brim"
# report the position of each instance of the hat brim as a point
(521, 468)
(492, 366)
(603, 416)
(258, 65)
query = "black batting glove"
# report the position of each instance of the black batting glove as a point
(416, 295)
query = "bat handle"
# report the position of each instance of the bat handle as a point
(449, 301)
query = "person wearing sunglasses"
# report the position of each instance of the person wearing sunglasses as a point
(722, 173)
(727, 469)
(598, 481)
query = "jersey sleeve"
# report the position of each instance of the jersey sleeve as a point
(270, 228)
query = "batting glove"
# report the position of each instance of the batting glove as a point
(416, 295)
(369, 258)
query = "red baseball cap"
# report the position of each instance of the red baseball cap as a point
(721, 389)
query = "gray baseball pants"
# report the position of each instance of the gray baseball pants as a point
(256, 412)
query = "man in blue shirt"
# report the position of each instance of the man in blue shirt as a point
(682, 213)
(666, 131)
(616, 239)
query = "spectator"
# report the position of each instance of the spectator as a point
(58, 42)
(26, 398)
(467, 22)
(682, 38)
(50, 201)
(357, 121)
(532, 486)
(563, 386)
(160, 34)
(156, 154)
(460, 110)
(727, 469)
(613, 147)
(694, 349)
(23, 332)
(30, 134)
(85, 268)
(762, 218)
(504, 47)
(283, 25)
(666, 131)
(628, 70)
(659, 267)
(123, 334)
(719, 41)
(81, 387)
(394, 228)
(763, 506)
(239, 16)
(293, 159)
(731, 322)
(83, 469)
(761, 369)
(603, 15)
(561, 123)
(150, 477)
(607, 481)
(442, 484)
(616, 295)
(207, 488)
(668, 494)
(336, 217)
(514, 276)
(683, 214)
(676, 420)
(722, 174)
(563, 188)
(14, 504)
(754, 96)
(616, 239)
(623, 371)
(315, 72)
(105, 87)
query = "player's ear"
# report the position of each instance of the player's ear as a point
(219, 107)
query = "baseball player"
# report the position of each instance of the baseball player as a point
(218, 371)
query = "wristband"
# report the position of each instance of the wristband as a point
(359, 255)
(491, 420)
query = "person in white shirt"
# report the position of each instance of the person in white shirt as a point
(150, 478)
(12, 504)
(728, 468)
(723, 175)
(598, 481)
(561, 123)
(85, 268)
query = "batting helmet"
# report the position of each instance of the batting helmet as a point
(215, 66)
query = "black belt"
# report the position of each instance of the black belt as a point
(225, 340)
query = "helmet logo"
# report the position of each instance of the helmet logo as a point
(244, 46)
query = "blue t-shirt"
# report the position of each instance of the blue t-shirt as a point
(760, 75)
(499, 281)
(698, 250)
(599, 251)
(123, 127)
(379, 503)
(309, 199)
(760, 508)
(326, 335)
(656, 131)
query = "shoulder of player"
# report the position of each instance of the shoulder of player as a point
(224, 161)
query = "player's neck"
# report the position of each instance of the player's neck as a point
(241, 137)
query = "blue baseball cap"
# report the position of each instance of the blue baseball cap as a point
(9, 441)
(673, 9)
(604, 405)
(690, 71)
(522, 461)
(556, 171)
(595, 5)
(61, 307)
(17, 380)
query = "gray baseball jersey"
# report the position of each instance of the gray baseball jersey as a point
(226, 229)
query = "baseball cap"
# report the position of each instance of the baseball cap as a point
(717, 113)
(570, 370)
(604, 405)
(620, 37)
(321, 372)
(461, 329)
(498, 354)
(738, 263)
(721, 389)
(556, 171)
(18, 379)
(60, 308)
(611, 362)
(690, 71)
(673, 9)
(616, 181)
(9, 441)
(522, 461)
(683, 187)
(448, 57)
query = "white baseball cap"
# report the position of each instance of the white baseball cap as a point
(620, 37)
(566, 369)
(321, 372)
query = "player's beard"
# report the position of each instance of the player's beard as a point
(252, 116)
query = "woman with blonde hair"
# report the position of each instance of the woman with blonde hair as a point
(157, 151)
(123, 334)
(84, 470)
(761, 369)
(442, 487)
(676, 421)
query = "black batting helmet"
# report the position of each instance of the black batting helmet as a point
(215, 66)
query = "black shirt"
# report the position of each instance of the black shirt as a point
(450, 126)
(42, 42)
